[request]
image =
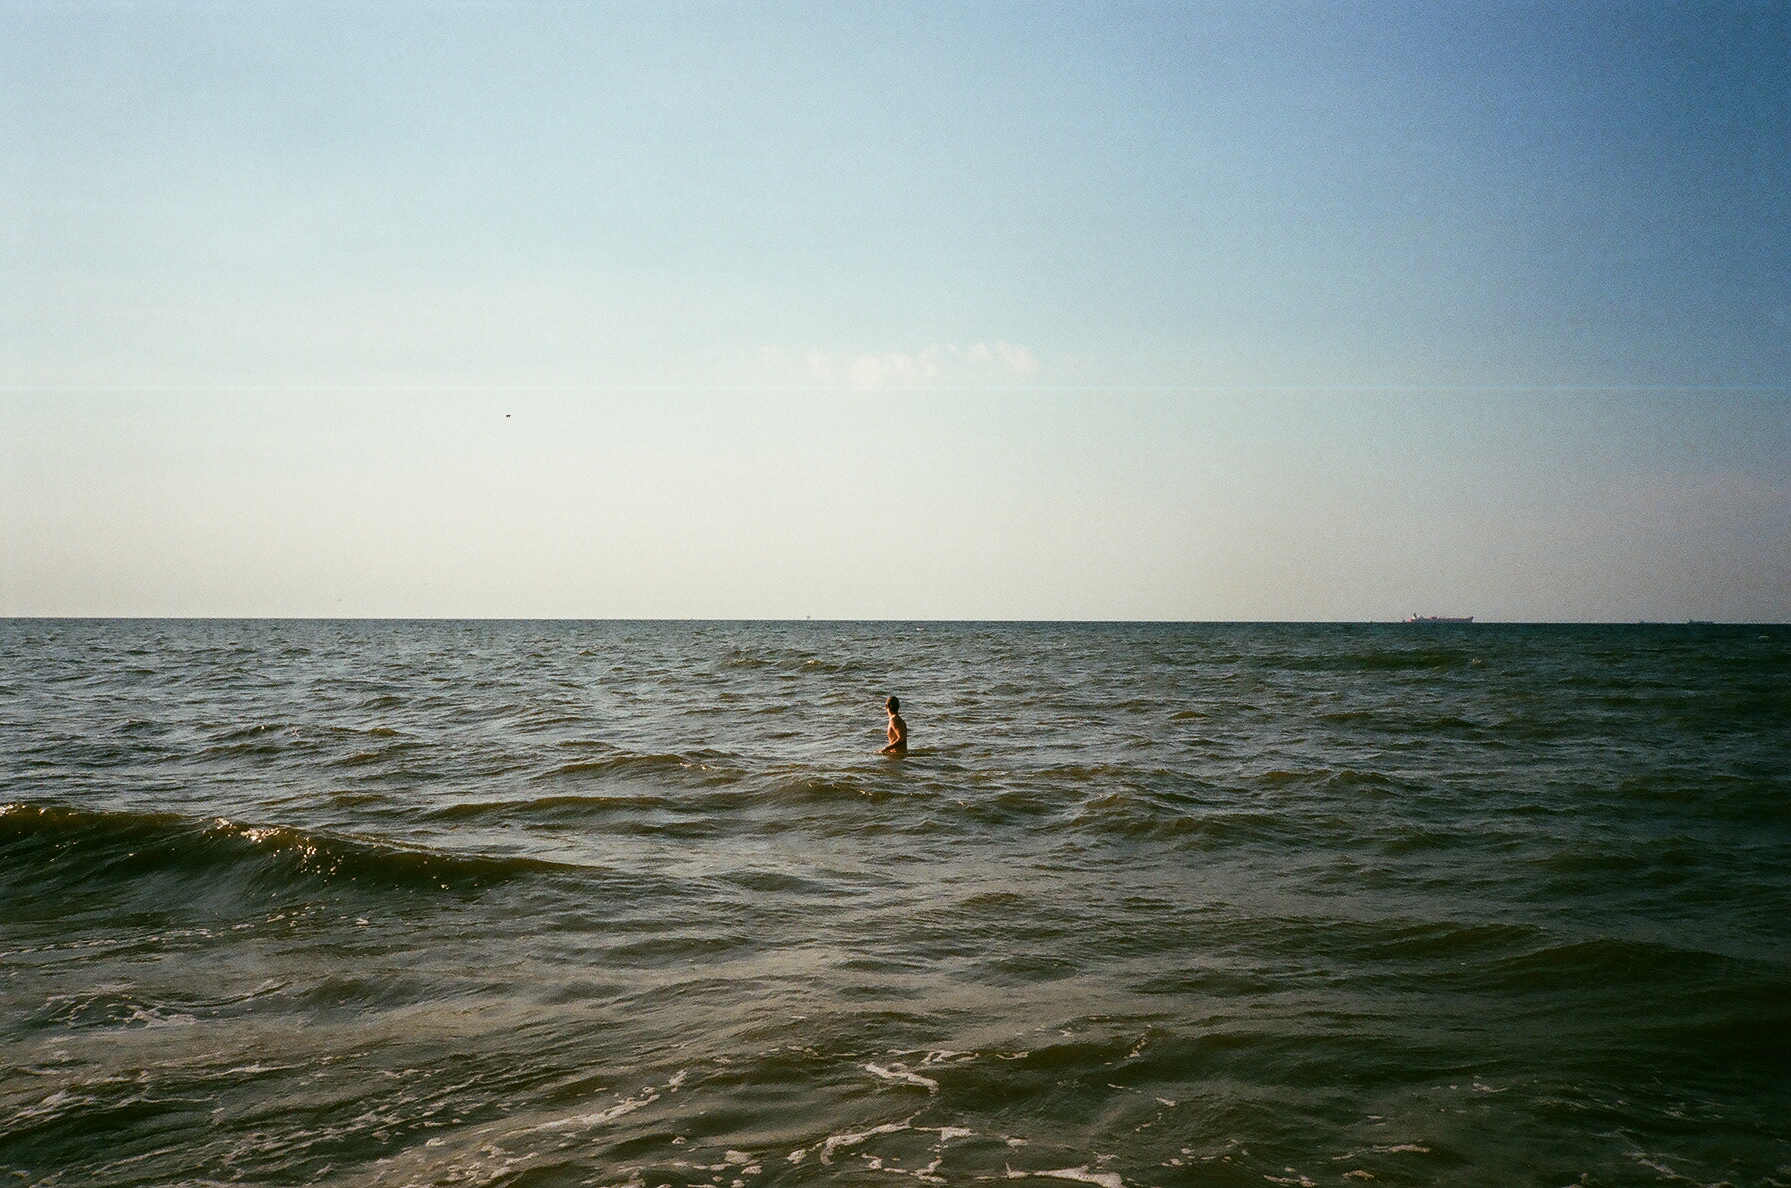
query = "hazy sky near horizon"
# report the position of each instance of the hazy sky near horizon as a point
(1185, 311)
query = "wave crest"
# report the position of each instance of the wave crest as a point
(53, 850)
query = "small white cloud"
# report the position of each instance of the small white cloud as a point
(935, 358)
(873, 371)
(1016, 357)
(941, 362)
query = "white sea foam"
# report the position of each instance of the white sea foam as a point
(1083, 1176)
(838, 1141)
(583, 1121)
(904, 1076)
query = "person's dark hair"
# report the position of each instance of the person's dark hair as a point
(893, 705)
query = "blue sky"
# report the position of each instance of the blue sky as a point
(896, 310)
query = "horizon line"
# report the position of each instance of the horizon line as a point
(1471, 621)
(1318, 386)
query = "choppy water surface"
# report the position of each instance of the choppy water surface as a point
(635, 903)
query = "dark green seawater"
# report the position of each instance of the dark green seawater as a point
(523, 903)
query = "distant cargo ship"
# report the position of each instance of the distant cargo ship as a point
(1439, 619)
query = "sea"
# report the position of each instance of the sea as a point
(639, 903)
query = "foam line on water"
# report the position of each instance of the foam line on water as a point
(835, 1142)
(1080, 1175)
(903, 1076)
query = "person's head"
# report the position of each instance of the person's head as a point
(892, 705)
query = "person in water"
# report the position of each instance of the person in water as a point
(898, 730)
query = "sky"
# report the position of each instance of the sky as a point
(1330, 311)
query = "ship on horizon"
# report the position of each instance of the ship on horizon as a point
(1439, 618)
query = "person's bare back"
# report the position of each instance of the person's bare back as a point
(898, 730)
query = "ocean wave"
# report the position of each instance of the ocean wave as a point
(569, 807)
(1132, 815)
(819, 790)
(1411, 658)
(1608, 962)
(384, 753)
(712, 802)
(700, 768)
(53, 850)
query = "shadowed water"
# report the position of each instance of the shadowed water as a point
(637, 903)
